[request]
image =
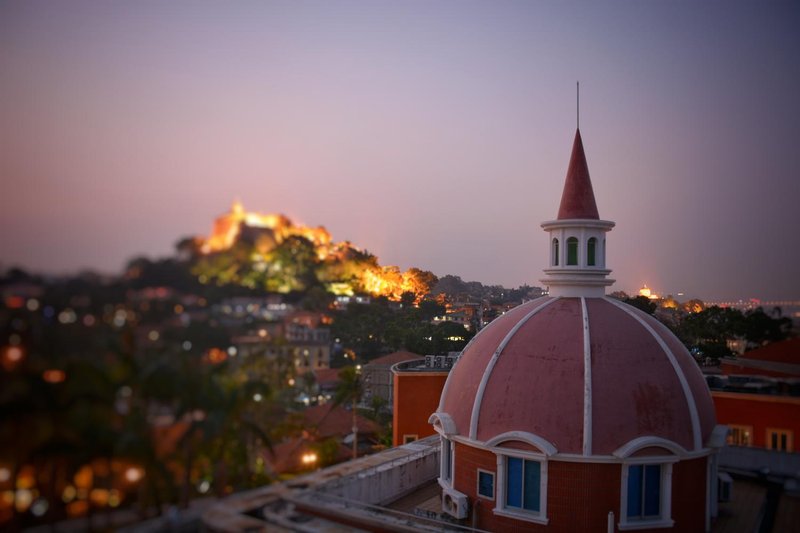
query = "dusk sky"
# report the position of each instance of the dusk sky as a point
(433, 134)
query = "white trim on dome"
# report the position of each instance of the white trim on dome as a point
(450, 374)
(476, 406)
(576, 457)
(687, 392)
(534, 440)
(587, 381)
(443, 424)
(649, 441)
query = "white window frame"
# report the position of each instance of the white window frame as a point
(665, 517)
(478, 484)
(500, 488)
(741, 427)
(413, 436)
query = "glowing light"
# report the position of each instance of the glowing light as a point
(39, 507)
(262, 333)
(68, 494)
(215, 356)
(14, 354)
(186, 345)
(114, 498)
(178, 309)
(5, 474)
(257, 397)
(25, 478)
(291, 382)
(84, 476)
(89, 321)
(54, 375)
(32, 304)
(153, 335)
(203, 487)
(67, 316)
(309, 458)
(232, 351)
(23, 500)
(99, 497)
(133, 474)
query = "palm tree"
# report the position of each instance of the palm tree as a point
(350, 389)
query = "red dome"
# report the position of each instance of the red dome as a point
(527, 372)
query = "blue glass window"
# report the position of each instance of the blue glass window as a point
(644, 491)
(486, 484)
(523, 483)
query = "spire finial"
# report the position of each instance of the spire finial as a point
(578, 86)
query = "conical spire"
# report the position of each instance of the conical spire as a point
(577, 200)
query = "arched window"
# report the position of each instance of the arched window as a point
(572, 251)
(591, 246)
(555, 252)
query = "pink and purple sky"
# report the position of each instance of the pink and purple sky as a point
(434, 134)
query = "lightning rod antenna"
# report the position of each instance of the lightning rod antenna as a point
(578, 103)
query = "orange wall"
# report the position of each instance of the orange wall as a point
(761, 411)
(416, 397)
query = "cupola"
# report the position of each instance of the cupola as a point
(577, 265)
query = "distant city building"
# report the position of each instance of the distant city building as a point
(418, 386)
(301, 337)
(758, 396)
(377, 377)
(647, 292)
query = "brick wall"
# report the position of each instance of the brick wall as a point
(580, 495)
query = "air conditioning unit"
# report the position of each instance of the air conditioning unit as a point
(725, 487)
(455, 503)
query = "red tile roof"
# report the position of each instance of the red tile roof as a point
(335, 421)
(577, 200)
(787, 351)
(326, 376)
(395, 357)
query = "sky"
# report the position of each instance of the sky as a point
(433, 134)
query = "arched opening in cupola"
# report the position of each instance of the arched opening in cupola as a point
(572, 251)
(591, 248)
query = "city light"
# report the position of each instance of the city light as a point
(133, 474)
(54, 375)
(14, 354)
(309, 458)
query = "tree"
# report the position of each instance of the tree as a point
(350, 390)
(643, 303)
